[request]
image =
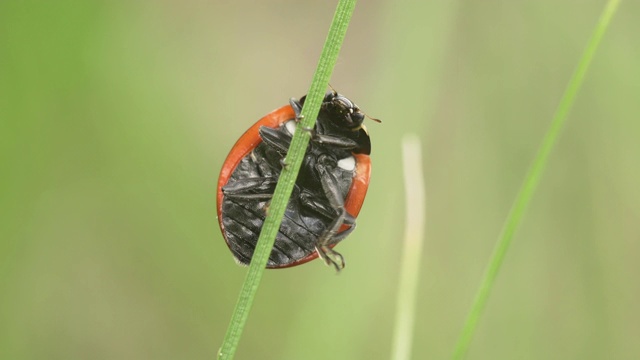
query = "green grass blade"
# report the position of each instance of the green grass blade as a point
(412, 251)
(531, 181)
(288, 177)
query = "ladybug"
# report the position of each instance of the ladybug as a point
(328, 193)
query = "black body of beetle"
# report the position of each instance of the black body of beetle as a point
(315, 219)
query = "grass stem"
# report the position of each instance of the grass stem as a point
(530, 183)
(412, 251)
(287, 178)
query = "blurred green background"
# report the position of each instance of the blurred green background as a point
(115, 117)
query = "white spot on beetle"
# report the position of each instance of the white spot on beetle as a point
(291, 126)
(348, 163)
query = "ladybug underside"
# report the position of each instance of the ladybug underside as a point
(247, 195)
(315, 213)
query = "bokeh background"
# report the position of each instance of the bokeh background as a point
(115, 118)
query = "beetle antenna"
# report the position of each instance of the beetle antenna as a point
(374, 119)
(365, 114)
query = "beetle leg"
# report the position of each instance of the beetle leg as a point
(330, 256)
(275, 138)
(319, 207)
(312, 132)
(343, 235)
(323, 209)
(329, 238)
(323, 245)
(283, 163)
(339, 142)
(251, 188)
(297, 108)
(264, 196)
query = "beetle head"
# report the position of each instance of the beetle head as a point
(342, 111)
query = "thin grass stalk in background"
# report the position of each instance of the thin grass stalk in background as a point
(287, 178)
(531, 181)
(412, 252)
